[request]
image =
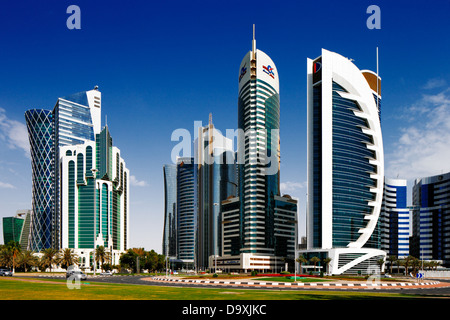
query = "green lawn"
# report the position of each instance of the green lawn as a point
(29, 289)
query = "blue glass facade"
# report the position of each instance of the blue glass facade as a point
(394, 220)
(40, 132)
(431, 217)
(186, 209)
(351, 170)
(216, 182)
(170, 209)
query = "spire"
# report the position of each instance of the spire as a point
(254, 41)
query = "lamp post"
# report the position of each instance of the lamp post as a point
(94, 176)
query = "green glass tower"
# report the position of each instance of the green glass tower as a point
(95, 191)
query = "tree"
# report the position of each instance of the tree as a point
(301, 259)
(128, 259)
(100, 255)
(414, 264)
(27, 259)
(407, 262)
(6, 257)
(68, 258)
(14, 246)
(392, 260)
(314, 260)
(380, 263)
(50, 257)
(326, 262)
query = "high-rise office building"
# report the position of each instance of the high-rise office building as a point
(77, 119)
(17, 228)
(216, 181)
(259, 226)
(80, 182)
(345, 162)
(169, 244)
(186, 211)
(395, 219)
(44, 227)
(94, 198)
(431, 219)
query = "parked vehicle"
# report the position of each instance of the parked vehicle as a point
(106, 273)
(76, 274)
(6, 273)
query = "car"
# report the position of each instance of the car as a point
(76, 274)
(106, 273)
(6, 273)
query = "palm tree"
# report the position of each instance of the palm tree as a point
(314, 260)
(100, 255)
(50, 257)
(14, 246)
(301, 259)
(326, 262)
(414, 264)
(27, 259)
(380, 263)
(392, 260)
(68, 258)
(6, 257)
(407, 262)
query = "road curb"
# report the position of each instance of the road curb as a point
(316, 285)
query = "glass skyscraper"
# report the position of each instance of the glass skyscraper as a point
(77, 119)
(216, 181)
(265, 231)
(431, 219)
(169, 248)
(186, 210)
(395, 220)
(345, 163)
(94, 197)
(44, 226)
(17, 228)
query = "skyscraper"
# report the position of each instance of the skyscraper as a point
(94, 198)
(44, 226)
(216, 181)
(395, 221)
(264, 233)
(345, 163)
(77, 119)
(431, 219)
(186, 211)
(17, 228)
(169, 247)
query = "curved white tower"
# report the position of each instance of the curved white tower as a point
(345, 163)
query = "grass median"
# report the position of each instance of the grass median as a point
(36, 289)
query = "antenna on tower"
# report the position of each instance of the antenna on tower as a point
(254, 40)
(378, 79)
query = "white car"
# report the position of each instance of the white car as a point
(5, 272)
(106, 273)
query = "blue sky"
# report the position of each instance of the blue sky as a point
(163, 65)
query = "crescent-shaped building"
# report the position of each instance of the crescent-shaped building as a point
(345, 164)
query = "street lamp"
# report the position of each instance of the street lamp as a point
(94, 176)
